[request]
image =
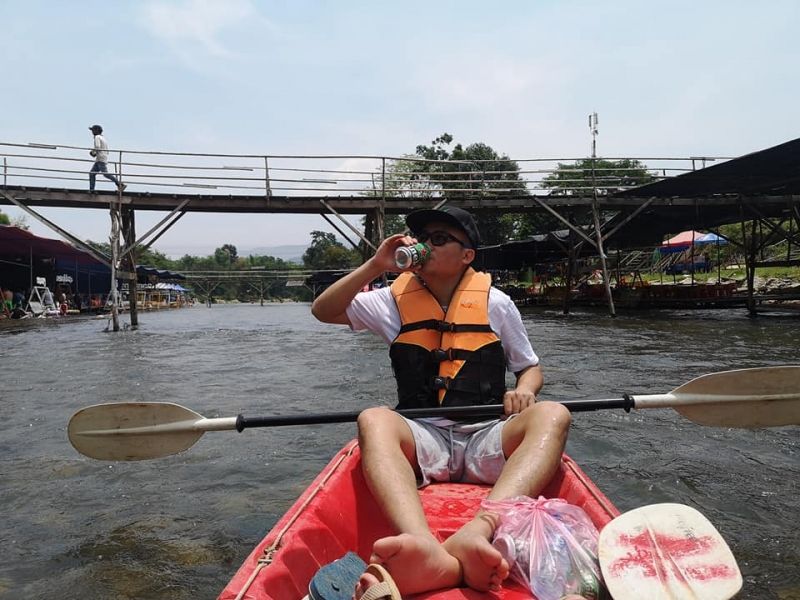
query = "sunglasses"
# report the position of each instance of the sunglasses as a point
(438, 238)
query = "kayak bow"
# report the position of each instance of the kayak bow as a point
(337, 514)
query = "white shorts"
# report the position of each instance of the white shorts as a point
(467, 453)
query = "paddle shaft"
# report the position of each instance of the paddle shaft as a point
(676, 399)
(489, 411)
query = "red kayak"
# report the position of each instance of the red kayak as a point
(337, 514)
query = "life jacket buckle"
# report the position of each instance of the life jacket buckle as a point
(444, 327)
(441, 383)
(440, 354)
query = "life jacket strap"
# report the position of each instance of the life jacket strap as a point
(445, 327)
(473, 386)
(441, 355)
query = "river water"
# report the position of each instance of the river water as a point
(178, 527)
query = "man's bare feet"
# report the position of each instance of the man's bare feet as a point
(484, 567)
(416, 563)
(376, 584)
(365, 582)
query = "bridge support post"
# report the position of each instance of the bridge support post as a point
(751, 249)
(379, 228)
(129, 263)
(380, 213)
(599, 243)
(570, 272)
(598, 232)
(369, 233)
(114, 242)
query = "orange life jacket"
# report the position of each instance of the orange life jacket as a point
(452, 359)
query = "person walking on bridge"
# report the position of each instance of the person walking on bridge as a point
(100, 154)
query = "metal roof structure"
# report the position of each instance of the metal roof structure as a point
(774, 171)
(759, 185)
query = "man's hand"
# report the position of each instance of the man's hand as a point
(384, 256)
(515, 401)
(331, 305)
(529, 382)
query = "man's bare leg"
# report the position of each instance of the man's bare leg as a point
(533, 443)
(415, 558)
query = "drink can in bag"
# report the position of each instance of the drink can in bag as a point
(409, 256)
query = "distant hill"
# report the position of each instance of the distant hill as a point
(291, 253)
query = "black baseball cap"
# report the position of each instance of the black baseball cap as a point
(96, 128)
(452, 215)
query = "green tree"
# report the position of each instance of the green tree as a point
(326, 252)
(609, 176)
(226, 255)
(462, 171)
(452, 172)
(102, 247)
(186, 262)
(4, 220)
(578, 179)
(148, 257)
(269, 263)
(476, 168)
(394, 224)
(154, 258)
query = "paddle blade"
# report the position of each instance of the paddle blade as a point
(761, 397)
(666, 552)
(133, 431)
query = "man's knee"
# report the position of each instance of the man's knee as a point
(382, 430)
(550, 415)
(371, 416)
(377, 421)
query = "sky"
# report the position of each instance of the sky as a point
(711, 78)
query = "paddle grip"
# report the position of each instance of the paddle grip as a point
(626, 403)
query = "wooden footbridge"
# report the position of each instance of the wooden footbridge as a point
(686, 193)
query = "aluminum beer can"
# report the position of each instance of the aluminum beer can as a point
(410, 256)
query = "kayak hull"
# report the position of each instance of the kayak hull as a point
(337, 514)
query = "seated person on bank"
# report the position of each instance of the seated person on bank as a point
(519, 455)
(19, 299)
(7, 301)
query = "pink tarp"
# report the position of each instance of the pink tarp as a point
(684, 238)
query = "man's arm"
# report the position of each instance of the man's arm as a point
(529, 382)
(331, 305)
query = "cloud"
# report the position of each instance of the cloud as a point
(191, 25)
(480, 83)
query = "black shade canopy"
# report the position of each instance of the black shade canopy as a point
(771, 172)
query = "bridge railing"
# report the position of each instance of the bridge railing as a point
(66, 166)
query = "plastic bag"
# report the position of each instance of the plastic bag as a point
(550, 545)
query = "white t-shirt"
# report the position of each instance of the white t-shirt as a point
(377, 312)
(101, 148)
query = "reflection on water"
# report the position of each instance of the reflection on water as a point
(179, 526)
